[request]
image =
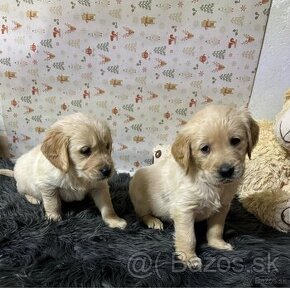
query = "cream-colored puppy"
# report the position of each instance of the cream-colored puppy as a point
(74, 160)
(199, 180)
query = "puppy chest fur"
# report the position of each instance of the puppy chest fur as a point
(183, 193)
(72, 189)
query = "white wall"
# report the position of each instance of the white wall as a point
(273, 74)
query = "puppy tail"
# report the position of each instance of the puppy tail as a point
(7, 172)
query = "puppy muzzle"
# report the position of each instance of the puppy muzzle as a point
(229, 173)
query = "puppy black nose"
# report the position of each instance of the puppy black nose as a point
(226, 171)
(106, 171)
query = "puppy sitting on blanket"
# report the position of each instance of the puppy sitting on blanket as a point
(199, 178)
(74, 160)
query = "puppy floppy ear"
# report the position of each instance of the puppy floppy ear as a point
(55, 149)
(252, 130)
(181, 151)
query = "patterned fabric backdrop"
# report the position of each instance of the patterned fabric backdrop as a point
(144, 66)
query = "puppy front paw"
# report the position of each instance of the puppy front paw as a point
(194, 262)
(190, 260)
(220, 244)
(53, 216)
(116, 222)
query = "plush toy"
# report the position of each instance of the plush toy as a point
(265, 191)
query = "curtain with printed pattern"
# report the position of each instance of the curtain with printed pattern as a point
(143, 66)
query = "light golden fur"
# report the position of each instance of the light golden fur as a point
(57, 169)
(187, 186)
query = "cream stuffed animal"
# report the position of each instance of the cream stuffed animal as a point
(265, 191)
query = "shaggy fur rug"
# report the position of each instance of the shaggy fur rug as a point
(81, 251)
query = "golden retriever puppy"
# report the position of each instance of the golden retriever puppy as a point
(199, 180)
(74, 160)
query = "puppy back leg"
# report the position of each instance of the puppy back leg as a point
(141, 203)
(102, 199)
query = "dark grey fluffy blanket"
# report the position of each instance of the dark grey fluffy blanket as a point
(81, 251)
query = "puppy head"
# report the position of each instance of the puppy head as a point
(81, 145)
(214, 143)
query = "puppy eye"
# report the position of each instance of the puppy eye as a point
(108, 146)
(205, 149)
(87, 151)
(235, 141)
